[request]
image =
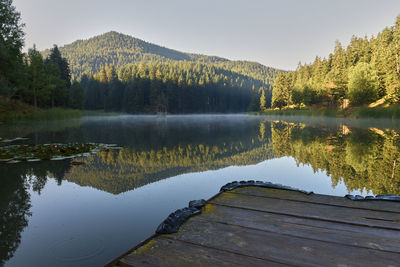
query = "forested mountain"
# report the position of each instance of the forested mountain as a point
(364, 71)
(116, 72)
(113, 48)
(123, 73)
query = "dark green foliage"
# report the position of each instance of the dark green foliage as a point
(11, 42)
(44, 86)
(366, 70)
(55, 85)
(173, 87)
(62, 63)
(38, 90)
(27, 77)
(76, 96)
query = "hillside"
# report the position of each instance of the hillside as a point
(363, 72)
(89, 56)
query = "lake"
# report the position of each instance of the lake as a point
(55, 213)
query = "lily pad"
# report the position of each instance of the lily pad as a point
(35, 152)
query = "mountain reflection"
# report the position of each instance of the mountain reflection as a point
(365, 159)
(127, 169)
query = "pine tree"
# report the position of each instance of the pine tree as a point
(11, 43)
(65, 73)
(37, 78)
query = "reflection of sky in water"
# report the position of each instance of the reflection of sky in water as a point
(75, 225)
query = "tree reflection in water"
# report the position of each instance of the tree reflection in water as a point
(15, 182)
(363, 159)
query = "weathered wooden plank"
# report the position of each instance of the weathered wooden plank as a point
(280, 248)
(310, 210)
(167, 252)
(317, 198)
(254, 226)
(351, 235)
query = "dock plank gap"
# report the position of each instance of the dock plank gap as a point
(260, 226)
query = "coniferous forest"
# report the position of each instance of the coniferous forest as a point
(28, 77)
(116, 72)
(122, 73)
(366, 70)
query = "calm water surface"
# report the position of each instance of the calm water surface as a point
(57, 214)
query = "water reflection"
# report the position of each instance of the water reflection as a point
(14, 210)
(15, 199)
(127, 169)
(364, 158)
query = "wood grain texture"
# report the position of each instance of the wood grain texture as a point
(377, 205)
(167, 252)
(279, 248)
(351, 235)
(254, 226)
(316, 211)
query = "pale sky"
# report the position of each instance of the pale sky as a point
(277, 33)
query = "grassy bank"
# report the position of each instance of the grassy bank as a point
(13, 111)
(47, 114)
(304, 112)
(100, 113)
(391, 112)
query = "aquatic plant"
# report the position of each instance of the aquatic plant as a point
(36, 152)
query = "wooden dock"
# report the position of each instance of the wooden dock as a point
(254, 226)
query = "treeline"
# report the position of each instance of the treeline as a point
(44, 83)
(28, 77)
(113, 48)
(158, 78)
(365, 71)
(173, 87)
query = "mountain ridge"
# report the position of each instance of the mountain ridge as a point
(88, 56)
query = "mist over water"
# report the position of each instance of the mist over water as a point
(59, 214)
